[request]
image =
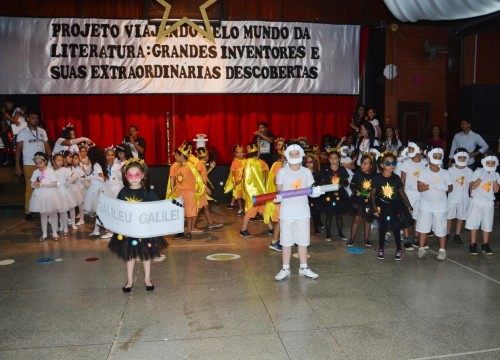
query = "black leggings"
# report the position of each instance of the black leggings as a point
(382, 229)
(329, 220)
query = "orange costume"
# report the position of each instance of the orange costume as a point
(185, 181)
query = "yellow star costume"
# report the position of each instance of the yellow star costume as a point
(253, 181)
(272, 210)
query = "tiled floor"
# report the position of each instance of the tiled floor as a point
(359, 308)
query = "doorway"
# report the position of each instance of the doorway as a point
(413, 120)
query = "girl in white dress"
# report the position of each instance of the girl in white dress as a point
(44, 198)
(114, 183)
(97, 176)
(68, 201)
(79, 186)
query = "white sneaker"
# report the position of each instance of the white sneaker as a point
(81, 222)
(441, 254)
(308, 273)
(421, 252)
(107, 235)
(282, 275)
(74, 227)
(70, 222)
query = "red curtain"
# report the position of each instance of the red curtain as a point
(225, 119)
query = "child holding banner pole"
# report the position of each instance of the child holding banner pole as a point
(135, 179)
(295, 214)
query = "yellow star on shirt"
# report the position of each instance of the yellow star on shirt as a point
(460, 180)
(366, 185)
(417, 173)
(387, 191)
(132, 199)
(207, 32)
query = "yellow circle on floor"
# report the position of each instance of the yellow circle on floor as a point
(223, 257)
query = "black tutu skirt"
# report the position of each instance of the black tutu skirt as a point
(128, 248)
(395, 215)
(333, 201)
(362, 207)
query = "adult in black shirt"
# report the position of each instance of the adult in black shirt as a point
(137, 144)
(264, 140)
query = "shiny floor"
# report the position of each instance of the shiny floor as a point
(358, 308)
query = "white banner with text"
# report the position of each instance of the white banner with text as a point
(109, 56)
(141, 219)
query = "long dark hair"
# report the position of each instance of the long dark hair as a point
(371, 134)
(394, 140)
(96, 156)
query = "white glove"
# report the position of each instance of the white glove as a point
(316, 192)
(278, 199)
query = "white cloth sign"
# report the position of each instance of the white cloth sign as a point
(141, 219)
(109, 56)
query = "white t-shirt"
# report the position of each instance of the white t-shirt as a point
(364, 147)
(375, 123)
(295, 207)
(485, 189)
(44, 177)
(413, 171)
(460, 179)
(58, 147)
(434, 200)
(21, 122)
(33, 141)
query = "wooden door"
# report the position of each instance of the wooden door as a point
(413, 120)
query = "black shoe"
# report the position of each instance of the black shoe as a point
(230, 207)
(350, 243)
(486, 249)
(28, 217)
(457, 239)
(127, 289)
(150, 288)
(179, 236)
(473, 249)
(342, 237)
(245, 234)
(189, 236)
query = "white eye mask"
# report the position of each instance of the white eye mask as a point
(460, 154)
(291, 148)
(490, 158)
(415, 152)
(343, 150)
(431, 156)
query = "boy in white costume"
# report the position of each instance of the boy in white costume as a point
(484, 184)
(410, 172)
(294, 211)
(458, 199)
(433, 184)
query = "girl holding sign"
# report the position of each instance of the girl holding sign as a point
(135, 179)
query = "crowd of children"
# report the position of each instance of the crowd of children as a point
(385, 183)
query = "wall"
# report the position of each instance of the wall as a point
(419, 79)
(485, 54)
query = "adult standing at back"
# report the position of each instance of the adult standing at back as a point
(372, 118)
(264, 140)
(137, 144)
(15, 116)
(469, 140)
(30, 140)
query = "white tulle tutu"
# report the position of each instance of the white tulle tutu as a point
(68, 199)
(112, 189)
(45, 200)
(92, 195)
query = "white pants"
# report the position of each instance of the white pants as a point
(295, 231)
